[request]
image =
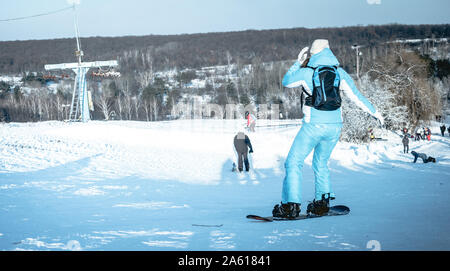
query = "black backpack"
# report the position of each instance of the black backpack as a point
(326, 95)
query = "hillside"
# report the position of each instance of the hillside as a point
(164, 52)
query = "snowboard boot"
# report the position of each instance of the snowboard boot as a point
(431, 159)
(288, 210)
(319, 207)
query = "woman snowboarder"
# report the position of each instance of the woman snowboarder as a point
(322, 124)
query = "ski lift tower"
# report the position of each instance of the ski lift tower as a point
(358, 54)
(79, 108)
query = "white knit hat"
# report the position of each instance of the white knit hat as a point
(318, 46)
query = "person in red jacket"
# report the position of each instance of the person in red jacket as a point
(251, 121)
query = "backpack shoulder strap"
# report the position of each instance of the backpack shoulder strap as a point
(304, 91)
(316, 79)
(337, 79)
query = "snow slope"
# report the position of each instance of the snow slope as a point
(121, 185)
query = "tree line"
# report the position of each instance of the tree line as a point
(416, 81)
(165, 52)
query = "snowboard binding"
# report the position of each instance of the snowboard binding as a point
(319, 207)
(290, 210)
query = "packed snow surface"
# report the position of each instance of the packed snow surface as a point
(123, 185)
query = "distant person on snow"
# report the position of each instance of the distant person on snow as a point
(322, 81)
(371, 135)
(418, 136)
(443, 129)
(448, 129)
(423, 156)
(426, 132)
(251, 121)
(242, 144)
(405, 131)
(405, 142)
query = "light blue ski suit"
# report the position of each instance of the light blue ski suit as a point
(320, 130)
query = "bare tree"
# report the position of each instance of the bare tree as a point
(155, 108)
(405, 74)
(127, 100)
(124, 98)
(147, 108)
(103, 101)
(144, 78)
(119, 102)
(137, 104)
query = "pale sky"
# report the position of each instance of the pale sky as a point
(167, 17)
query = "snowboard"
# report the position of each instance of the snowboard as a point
(334, 211)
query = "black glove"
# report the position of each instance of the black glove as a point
(251, 151)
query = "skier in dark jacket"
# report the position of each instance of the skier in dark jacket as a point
(242, 144)
(423, 156)
(405, 142)
(443, 129)
(448, 129)
(418, 136)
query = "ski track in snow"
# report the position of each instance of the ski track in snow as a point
(124, 185)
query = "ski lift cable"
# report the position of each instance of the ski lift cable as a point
(36, 15)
